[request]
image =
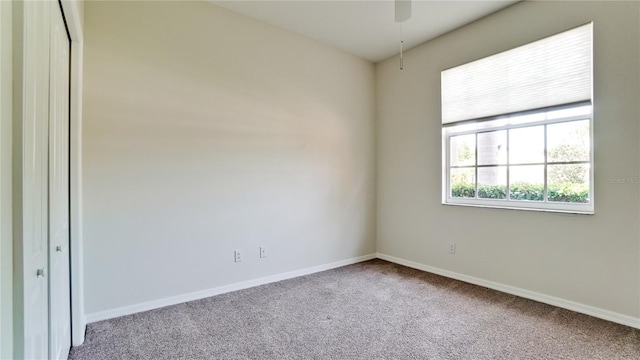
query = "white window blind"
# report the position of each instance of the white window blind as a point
(552, 71)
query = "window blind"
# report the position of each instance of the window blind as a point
(552, 71)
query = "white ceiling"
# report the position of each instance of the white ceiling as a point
(366, 28)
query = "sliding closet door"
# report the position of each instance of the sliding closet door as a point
(59, 270)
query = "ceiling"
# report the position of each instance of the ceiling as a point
(366, 28)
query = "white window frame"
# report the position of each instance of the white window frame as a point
(507, 122)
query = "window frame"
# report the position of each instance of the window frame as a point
(449, 130)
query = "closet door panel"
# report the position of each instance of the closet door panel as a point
(59, 290)
(34, 161)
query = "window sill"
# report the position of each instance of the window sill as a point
(587, 211)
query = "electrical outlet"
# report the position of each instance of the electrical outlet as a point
(238, 255)
(452, 248)
(263, 251)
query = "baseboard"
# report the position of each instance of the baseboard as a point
(532, 295)
(173, 300)
(77, 337)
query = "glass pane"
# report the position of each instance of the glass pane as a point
(572, 111)
(492, 148)
(568, 183)
(492, 182)
(527, 118)
(463, 183)
(463, 150)
(526, 145)
(526, 182)
(568, 141)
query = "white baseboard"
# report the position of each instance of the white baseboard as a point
(532, 295)
(173, 300)
(77, 337)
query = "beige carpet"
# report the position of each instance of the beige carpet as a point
(371, 310)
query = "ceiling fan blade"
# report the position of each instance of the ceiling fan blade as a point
(403, 10)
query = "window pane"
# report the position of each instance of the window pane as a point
(528, 118)
(492, 182)
(568, 141)
(463, 183)
(572, 111)
(526, 145)
(526, 182)
(492, 148)
(463, 150)
(568, 183)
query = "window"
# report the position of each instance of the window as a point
(517, 127)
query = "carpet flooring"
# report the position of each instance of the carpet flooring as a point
(370, 310)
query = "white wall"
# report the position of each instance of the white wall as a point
(206, 132)
(6, 235)
(591, 260)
